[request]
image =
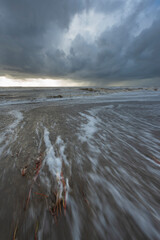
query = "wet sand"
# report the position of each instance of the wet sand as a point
(98, 152)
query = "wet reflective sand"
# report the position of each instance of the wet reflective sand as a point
(91, 165)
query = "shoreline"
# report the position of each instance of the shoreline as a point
(41, 95)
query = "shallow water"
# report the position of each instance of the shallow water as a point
(106, 150)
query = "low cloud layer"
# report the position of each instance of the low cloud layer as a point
(98, 41)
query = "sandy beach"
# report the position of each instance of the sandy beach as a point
(79, 163)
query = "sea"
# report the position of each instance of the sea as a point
(80, 163)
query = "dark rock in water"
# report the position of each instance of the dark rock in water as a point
(89, 89)
(57, 96)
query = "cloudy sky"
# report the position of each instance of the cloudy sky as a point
(86, 42)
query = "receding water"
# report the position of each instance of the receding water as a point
(101, 156)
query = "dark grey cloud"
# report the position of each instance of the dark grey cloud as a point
(34, 34)
(23, 27)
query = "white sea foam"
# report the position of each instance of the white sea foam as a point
(91, 122)
(9, 133)
(89, 128)
(18, 118)
(61, 145)
(39, 138)
(54, 163)
(45, 180)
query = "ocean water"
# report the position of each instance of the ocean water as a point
(99, 151)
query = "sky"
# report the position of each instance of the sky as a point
(79, 42)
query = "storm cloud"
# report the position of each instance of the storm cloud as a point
(98, 41)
